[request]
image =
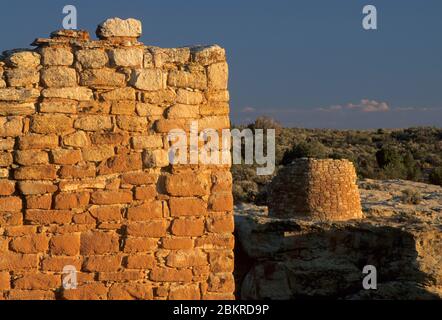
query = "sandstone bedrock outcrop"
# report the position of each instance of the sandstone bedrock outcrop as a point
(84, 173)
(292, 257)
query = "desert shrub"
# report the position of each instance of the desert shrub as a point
(436, 176)
(410, 196)
(312, 149)
(388, 156)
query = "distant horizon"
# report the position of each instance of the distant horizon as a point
(305, 63)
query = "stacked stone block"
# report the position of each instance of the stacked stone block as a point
(316, 189)
(84, 173)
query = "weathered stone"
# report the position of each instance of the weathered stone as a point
(56, 56)
(75, 93)
(102, 78)
(121, 163)
(92, 58)
(98, 243)
(131, 123)
(130, 57)
(208, 54)
(22, 77)
(31, 188)
(77, 139)
(58, 107)
(16, 109)
(23, 59)
(39, 172)
(59, 77)
(51, 123)
(18, 94)
(97, 153)
(182, 111)
(164, 56)
(148, 79)
(146, 142)
(30, 157)
(117, 27)
(185, 79)
(156, 158)
(189, 97)
(65, 156)
(38, 141)
(119, 94)
(93, 123)
(10, 126)
(149, 110)
(123, 107)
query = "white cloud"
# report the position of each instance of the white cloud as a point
(365, 105)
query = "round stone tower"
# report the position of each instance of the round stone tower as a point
(317, 189)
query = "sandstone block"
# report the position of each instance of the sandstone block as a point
(74, 93)
(160, 97)
(217, 75)
(31, 188)
(30, 157)
(16, 262)
(206, 55)
(134, 245)
(188, 227)
(56, 56)
(186, 258)
(170, 275)
(152, 228)
(149, 110)
(185, 292)
(147, 142)
(106, 213)
(97, 242)
(148, 79)
(10, 126)
(71, 200)
(182, 111)
(38, 172)
(58, 107)
(158, 158)
(77, 139)
(221, 201)
(30, 244)
(130, 57)
(113, 138)
(146, 193)
(6, 187)
(38, 141)
(177, 243)
(5, 159)
(93, 123)
(18, 94)
(88, 291)
(130, 291)
(119, 94)
(146, 211)
(185, 79)
(7, 144)
(22, 77)
(132, 123)
(59, 77)
(66, 156)
(65, 245)
(97, 153)
(92, 58)
(39, 202)
(187, 184)
(189, 97)
(102, 263)
(111, 197)
(45, 217)
(117, 27)
(5, 280)
(102, 78)
(37, 281)
(121, 163)
(187, 207)
(23, 59)
(140, 261)
(16, 109)
(58, 263)
(51, 123)
(123, 107)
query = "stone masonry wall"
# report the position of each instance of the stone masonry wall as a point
(84, 173)
(320, 189)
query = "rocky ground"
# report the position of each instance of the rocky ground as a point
(401, 235)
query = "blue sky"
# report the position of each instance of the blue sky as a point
(307, 63)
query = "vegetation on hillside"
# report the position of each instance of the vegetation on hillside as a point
(410, 154)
